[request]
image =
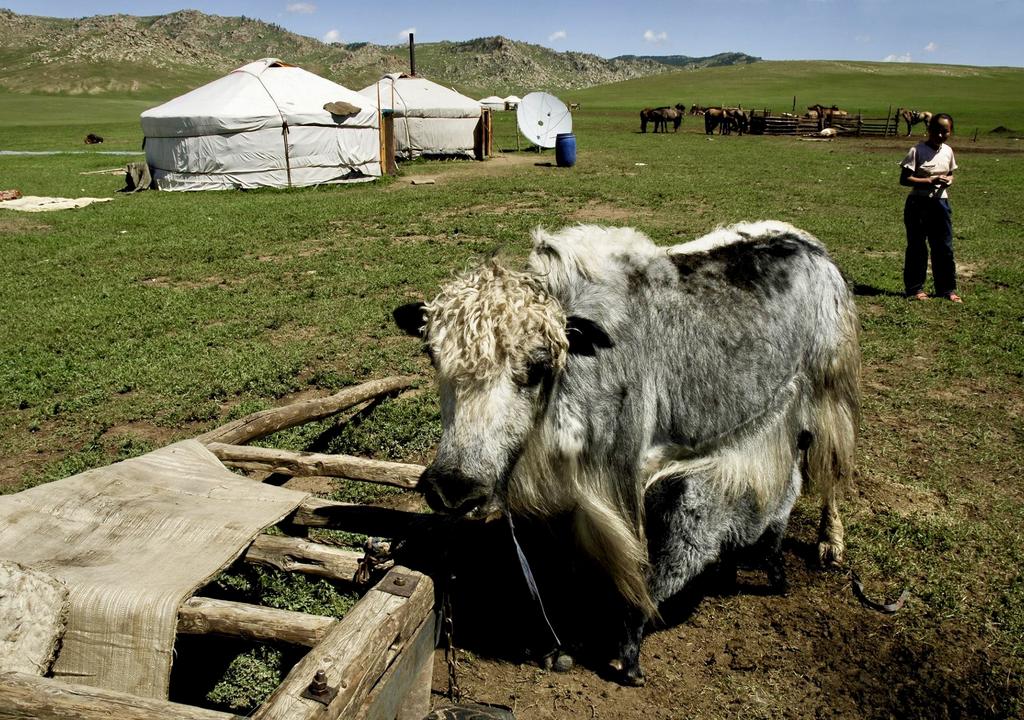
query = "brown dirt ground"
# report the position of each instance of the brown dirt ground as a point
(739, 652)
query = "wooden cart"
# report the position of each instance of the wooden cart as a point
(375, 663)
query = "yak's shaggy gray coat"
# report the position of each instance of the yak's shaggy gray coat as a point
(616, 379)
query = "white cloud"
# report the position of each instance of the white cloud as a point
(404, 34)
(905, 57)
(557, 35)
(931, 47)
(332, 36)
(303, 8)
(653, 37)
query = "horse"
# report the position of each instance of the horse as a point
(714, 117)
(912, 117)
(645, 117)
(663, 404)
(663, 115)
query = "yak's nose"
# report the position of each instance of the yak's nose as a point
(450, 491)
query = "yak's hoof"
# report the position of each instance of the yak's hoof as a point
(557, 661)
(633, 676)
(777, 578)
(563, 663)
(830, 554)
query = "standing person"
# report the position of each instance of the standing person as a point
(928, 171)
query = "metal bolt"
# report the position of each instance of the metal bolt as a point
(319, 684)
(400, 581)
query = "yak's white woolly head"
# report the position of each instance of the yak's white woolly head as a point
(487, 319)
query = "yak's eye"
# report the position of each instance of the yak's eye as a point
(535, 371)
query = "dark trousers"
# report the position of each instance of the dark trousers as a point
(929, 223)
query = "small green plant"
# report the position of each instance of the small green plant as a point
(249, 680)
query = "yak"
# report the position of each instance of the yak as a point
(670, 402)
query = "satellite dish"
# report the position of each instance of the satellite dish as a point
(541, 117)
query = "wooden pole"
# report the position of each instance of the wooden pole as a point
(266, 422)
(295, 555)
(304, 464)
(207, 616)
(366, 519)
(27, 697)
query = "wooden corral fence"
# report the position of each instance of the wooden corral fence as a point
(373, 664)
(765, 122)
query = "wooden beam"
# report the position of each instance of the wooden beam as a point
(295, 555)
(202, 616)
(366, 519)
(403, 692)
(298, 464)
(357, 652)
(27, 697)
(266, 422)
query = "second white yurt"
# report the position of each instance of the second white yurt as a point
(493, 102)
(430, 119)
(263, 125)
(512, 102)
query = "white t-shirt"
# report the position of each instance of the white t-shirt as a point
(925, 161)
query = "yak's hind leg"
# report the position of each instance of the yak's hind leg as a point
(684, 535)
(829, 438)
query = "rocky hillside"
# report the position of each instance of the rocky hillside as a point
(157, 54)
(685, 62)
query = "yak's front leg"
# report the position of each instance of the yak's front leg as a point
(681, 542)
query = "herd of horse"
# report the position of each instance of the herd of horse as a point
(728, 119)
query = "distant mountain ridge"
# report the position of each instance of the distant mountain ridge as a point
(151, 55)
(694, 63)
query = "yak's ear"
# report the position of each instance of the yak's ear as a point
(585, 336)
(410, 318)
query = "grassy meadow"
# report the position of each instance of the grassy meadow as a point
(156, 316)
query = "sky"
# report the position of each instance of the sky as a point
(980, 32)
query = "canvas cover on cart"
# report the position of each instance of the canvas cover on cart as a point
(262, 125)
(132, 541)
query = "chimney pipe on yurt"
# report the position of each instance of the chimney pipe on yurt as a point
(412, 55)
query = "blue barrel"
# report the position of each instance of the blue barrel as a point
(565, 149)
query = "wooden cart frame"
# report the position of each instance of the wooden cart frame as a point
(376, 663)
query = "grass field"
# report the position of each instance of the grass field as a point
(155, 316)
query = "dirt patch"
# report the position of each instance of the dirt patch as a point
(597, 211)
(14, 470)
(813, 653)
(413, 177)
(162, 281)
(308, 252)
(152, 434)
(13, 225)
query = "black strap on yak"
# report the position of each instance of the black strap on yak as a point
(531, 583)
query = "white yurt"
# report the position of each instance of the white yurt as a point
(512, 102)
(263, 125)
(430, 119)
(493, 102)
